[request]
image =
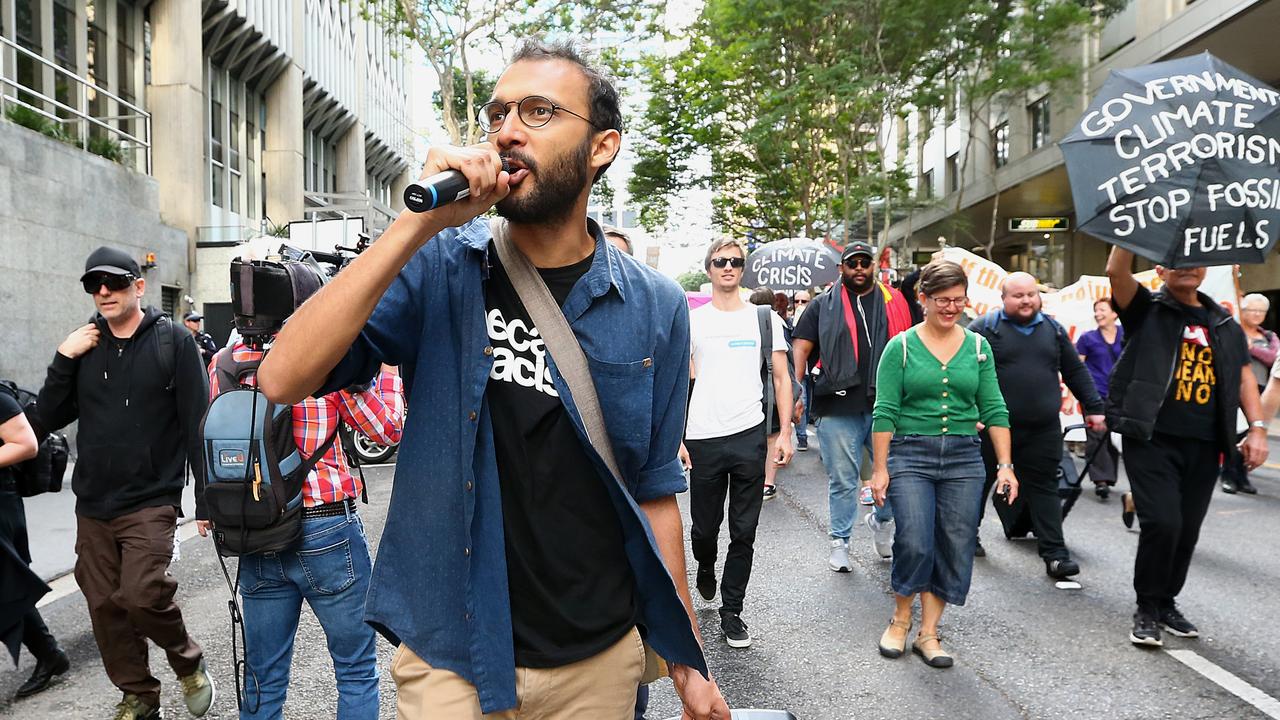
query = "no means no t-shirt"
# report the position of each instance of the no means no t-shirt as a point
(726, 362)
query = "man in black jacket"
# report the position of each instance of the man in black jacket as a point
(1174, 393)
(1031, 351)
(136, 383)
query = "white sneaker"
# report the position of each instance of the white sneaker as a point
(881, 536)
(839, 560)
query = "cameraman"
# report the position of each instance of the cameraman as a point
(19, 444)
(331, 567)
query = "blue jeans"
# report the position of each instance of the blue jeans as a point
(330, 570)
(842, 438)
(802, 430)
(935, 484)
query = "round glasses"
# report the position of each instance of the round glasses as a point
(534, 111)
(943, 302)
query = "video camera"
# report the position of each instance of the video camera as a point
(264, 293)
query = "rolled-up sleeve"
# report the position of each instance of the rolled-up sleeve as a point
(662, 474)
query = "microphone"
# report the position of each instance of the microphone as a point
(439, 189)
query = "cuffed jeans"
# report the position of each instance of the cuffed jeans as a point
(935, 483)
(330, 570)
(842, 438)
(732, 465)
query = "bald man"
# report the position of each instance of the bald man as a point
(1031, 350)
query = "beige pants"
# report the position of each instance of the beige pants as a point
(602, 687)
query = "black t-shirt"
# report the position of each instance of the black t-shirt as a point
(9, 409)
(1190, 407)
(572, 590)
(856, 400)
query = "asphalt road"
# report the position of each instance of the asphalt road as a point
(1024, 648)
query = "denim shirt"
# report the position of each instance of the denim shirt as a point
(440, 581)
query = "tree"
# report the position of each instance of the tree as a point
(693, 280)
(481, 87)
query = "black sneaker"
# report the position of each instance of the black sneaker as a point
(1102, 491)
(1176, 624)
(978, 550)
(1246, 487)
(735, 631)
(1228, 487)
(706, 582)
(770, 492)
(1061, 569)
(1145, 630)
(802, 443)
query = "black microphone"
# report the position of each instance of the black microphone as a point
(439, 189)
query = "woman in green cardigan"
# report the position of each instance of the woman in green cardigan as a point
(936, 383)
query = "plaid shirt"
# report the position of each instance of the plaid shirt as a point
(377, 413)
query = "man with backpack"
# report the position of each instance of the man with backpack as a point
(1031, 351)
(728, 428)
(330, 566)
(136, 383)
(18, 443)
(842, 335)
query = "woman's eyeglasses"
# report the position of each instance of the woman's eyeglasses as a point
(722, 262)
(957, 302)
(114, 283)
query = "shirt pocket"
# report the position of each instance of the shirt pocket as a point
(625, 390)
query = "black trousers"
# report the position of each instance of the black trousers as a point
(734, 466)
(1036, 454)
(1173, 479)
(13, 527)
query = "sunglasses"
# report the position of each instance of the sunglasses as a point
(722, 262)
(858, 262)
(802, 302)
(114, 283)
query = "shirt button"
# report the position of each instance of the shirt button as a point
(466, 552)
(469, 486)
(466, 616)
(944, 393)
(472, 415)
(488, 350)
(944, 367)
(944, 407)
(944, 382)
(944, 428)
(944, 419)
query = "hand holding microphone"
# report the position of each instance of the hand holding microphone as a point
(459, 183)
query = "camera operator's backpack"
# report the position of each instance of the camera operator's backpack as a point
(254, 470)
(44, 472)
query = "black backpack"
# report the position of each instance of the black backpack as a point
(44, 472)
(254, 469)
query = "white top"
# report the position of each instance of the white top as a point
(728, 393)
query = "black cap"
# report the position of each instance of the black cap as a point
(112, 261)
(857, 247)
(193, 315)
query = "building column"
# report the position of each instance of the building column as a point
(175, 99)
(1152, 14)
(351, 161)
(398, 184)
(283, 158)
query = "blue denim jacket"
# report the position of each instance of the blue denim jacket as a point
(440, 582)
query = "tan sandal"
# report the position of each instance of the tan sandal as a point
(893, 647)
(933, 656)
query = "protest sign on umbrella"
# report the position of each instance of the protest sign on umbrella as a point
(792, 265)
(1179, 161)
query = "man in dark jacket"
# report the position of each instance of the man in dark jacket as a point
(1031, 351)
(136, 383)
(1174, 393)
(204, 341)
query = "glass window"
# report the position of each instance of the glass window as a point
(1039, 112)
(96, 61)
(953, 174)
(926, 184)
(1000, 144)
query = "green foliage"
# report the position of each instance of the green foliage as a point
(693, 280)
(481, 89)
(107, 148)
(28, 118)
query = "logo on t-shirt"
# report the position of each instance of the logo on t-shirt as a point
(519, 355)
(1195, 376)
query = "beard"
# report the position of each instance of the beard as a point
(853, 285)
(554, 195)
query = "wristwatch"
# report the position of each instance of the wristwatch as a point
(1004, 466)
(1258, 424)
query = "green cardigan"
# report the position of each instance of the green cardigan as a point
(921, 396)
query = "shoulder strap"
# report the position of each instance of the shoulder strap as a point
(763, 313)
(168, 348)
(559, 340)
(231, 373)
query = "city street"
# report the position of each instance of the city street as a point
(1024, 649)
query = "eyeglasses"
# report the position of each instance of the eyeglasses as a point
(802, 302)
(534, 111)
(1254, 310)
(942, 302)
(114, 283)
(721, 262)
(857, 262)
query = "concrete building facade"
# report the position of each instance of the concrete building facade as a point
(227, 119)
(1013, 154)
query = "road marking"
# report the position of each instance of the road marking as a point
(1273, 466)
(1232, 684)
(66, 584)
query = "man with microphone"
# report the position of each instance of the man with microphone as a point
(512, 570)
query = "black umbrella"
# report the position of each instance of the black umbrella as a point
(792, 265)
(1179, 162)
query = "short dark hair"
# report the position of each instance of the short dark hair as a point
(942, 275)
(605, 107)
(611, 231)
(762, 296)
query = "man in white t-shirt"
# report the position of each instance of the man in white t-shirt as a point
(725, 436)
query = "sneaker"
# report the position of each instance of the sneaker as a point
(132, 708)
(735, 631)
(802, 443)
(198, 691)
(839, 560)
(706, 582)
(1246, 487)
(770, 492)
(1228, 487)
(978, 550)
(1145, 630)
(1061, 569)
(1176, 624)
(865, 497)
(881, 536)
